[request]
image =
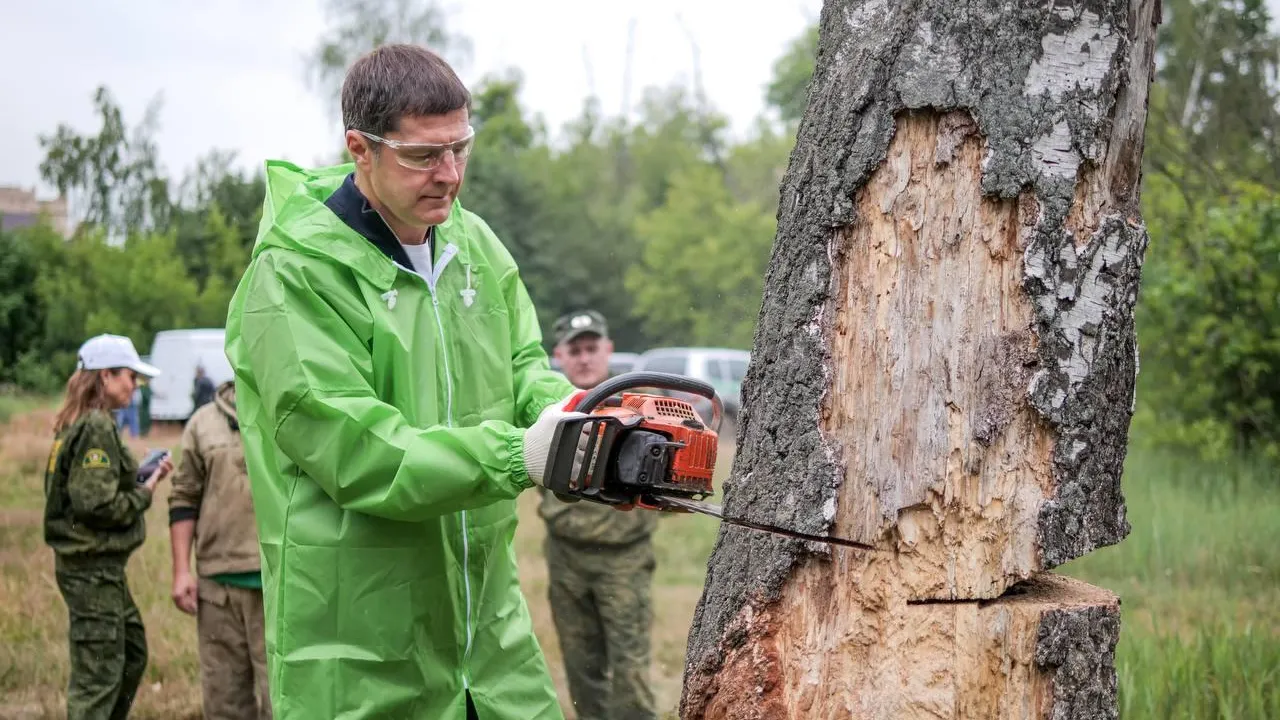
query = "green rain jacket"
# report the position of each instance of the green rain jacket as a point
(381, 421)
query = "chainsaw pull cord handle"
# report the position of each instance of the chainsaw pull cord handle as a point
(588, 400)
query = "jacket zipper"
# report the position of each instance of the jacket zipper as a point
(466, 545)
(433, 274)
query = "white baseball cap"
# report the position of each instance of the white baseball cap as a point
(108, 352)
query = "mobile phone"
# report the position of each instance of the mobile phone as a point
(150, 463)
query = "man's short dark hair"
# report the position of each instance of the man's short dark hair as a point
(398, 81)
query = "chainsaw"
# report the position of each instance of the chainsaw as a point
(652, 452)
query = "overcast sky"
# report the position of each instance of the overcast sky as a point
(232, 74)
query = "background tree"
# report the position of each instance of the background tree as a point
(216, 187)
(21, 309)
(1217, 109)
(1211, 191)
(358, 26)
(1212, 196)
(112, 179)
(92, 286)
(604, 212)
(788, 90)
(940, 373)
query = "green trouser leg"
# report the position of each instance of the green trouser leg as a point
(601, 604)
(108, 645)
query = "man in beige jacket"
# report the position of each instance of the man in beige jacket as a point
(211, 505)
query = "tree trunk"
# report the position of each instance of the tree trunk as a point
(944, 368)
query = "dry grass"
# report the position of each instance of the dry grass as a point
(674, 596)
(1200, 579)
(33, 628)
(33, 654)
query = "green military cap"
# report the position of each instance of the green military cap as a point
(577, 324)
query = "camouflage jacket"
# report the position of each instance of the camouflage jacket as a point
(93, 503)
(211, 486)
(588, 523)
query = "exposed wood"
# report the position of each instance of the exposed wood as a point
(944, 367)
(1043, 650)
(931, 328)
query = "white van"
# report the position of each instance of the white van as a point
(177, 353)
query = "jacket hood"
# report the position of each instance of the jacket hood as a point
(225, 400)
(294, 216)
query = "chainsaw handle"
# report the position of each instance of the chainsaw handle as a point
(588, 400)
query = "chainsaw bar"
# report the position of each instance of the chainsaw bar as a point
(716, 511)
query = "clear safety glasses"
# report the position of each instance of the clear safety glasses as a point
(427, 156)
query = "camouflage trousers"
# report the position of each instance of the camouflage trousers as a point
(108, 646)
(601, 603)
(233, 656)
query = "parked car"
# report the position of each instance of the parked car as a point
(722, 368)
(622, 362)
(177, 353)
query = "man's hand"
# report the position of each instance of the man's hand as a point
(184, 592)
(537, 439)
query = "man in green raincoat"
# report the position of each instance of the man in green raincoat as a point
(388, 362)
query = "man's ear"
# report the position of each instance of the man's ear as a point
(557, 352)
(607, 345)
(361, 150)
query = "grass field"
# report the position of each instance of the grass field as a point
(1199, 578)
(1199, 582)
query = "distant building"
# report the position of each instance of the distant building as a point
(20, 208)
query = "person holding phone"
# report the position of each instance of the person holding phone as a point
(211, 507)
(94, 518)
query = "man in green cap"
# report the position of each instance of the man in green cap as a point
(600, 562)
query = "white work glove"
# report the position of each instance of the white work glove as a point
(537, 439)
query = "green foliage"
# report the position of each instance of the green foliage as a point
(700, 272)
(1218, 103)
(141, 261)
(228, 256)
(37, 373)
(90, 286)
(704, 250)
(21, 314)
(58, 292)
(570, 216)
(1214, 672)
(16, 403)
(216, 187)
(1211, 199)
(113, 175)
(754, 169)
(788, 91)
(1210, 319)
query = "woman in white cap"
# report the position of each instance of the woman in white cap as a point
(94, 517)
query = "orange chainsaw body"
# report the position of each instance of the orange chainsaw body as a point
(634, 449)
(693, 465)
